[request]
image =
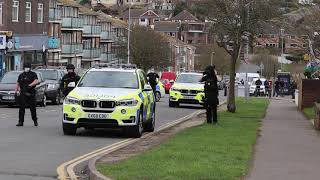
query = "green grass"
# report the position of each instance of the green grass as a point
(309, 112)
(203, 152)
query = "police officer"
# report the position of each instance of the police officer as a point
(71, 76)
(153, 80)
(25, 90)
(211, 94)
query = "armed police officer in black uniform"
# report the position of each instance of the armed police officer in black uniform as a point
(26, 93)
(211, 91)
(153, 80)
(71, 76)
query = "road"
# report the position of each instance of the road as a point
(35, 152)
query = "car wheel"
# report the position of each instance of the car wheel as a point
(151, 123)
(172, 104)
(57, 100)
(158, 96)
(69, 129)
(44, 101)
(136, 130)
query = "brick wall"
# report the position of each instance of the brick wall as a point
(309, 92)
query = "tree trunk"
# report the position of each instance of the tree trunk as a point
(231, 97)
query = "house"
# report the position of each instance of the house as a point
(142, 17)
(135, 3)
(106, 40)
(168, 28)
(24, 33)
(184, 16)
(54, 34)
(105, 3)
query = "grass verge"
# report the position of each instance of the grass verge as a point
(309, 112)
(203, 152)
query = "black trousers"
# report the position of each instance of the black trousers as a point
(211, 114)
(31, 102)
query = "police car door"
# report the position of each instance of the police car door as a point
(146, 95)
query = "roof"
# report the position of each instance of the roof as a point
(184, 16)
(103, 69)
(87, 11)
(69, 3)
(166, 26)
(104, 17)
(137, 13)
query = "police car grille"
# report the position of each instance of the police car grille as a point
(107, 104)
(193, 92)
(88, 103)
(184, 91)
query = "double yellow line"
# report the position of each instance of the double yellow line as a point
(66, 170)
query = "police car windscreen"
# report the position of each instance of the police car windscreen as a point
(189, 78)
(110, 79)
(49, 74)
(10, 78)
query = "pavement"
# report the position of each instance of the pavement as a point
(35, 152)
(288, 147)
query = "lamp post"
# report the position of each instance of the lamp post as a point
(212, 53)
(129, 26)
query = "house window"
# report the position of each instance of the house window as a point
(15, 11)
(1, 21)
(28, 11)
(143, 20)
(40, 13)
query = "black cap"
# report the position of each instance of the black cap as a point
(27, 65)
(70, 66)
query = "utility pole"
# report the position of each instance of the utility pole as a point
(282, 48)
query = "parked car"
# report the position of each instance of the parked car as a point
(8, 85)
(160, 92)
(52, 78)
(253, 87)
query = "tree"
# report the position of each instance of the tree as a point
(270, 63)
(148, 49)
(232, 20)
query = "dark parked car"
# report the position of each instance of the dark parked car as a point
(52, 78)
(8, 85)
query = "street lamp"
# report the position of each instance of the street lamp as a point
(129, 26)
(212, 53)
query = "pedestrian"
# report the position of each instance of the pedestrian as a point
(258, 84)
(70, 77)
(267, 88)
(26, 93)
(211, 91)
(293, 87)
(153, 80)
(281, 88)
(276, 88)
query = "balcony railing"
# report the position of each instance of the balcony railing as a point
(107, 57)
(106, 35)
(72, 48)
(91, 29)
(54, 14)
(53, 43)
(72, 22)
(92, 53)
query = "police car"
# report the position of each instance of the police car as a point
(108, 97)
(187, 90)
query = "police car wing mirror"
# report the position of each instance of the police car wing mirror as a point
(72, 85)
(147, 87)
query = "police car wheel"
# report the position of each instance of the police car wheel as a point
(136, 130)
(172, 104)
(151, 123)
(158, 96)
(69, 129)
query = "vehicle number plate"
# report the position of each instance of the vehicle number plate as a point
(98, 116)
(8, 97)
(188, 97)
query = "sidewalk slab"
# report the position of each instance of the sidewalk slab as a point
(289, 147)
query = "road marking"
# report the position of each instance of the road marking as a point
(66, 170)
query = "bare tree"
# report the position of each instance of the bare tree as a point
(233, 19)
(270, 63)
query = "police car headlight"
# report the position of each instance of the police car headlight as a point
(71, 100)
(127, 102)
(175, 89)
(52, 86)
